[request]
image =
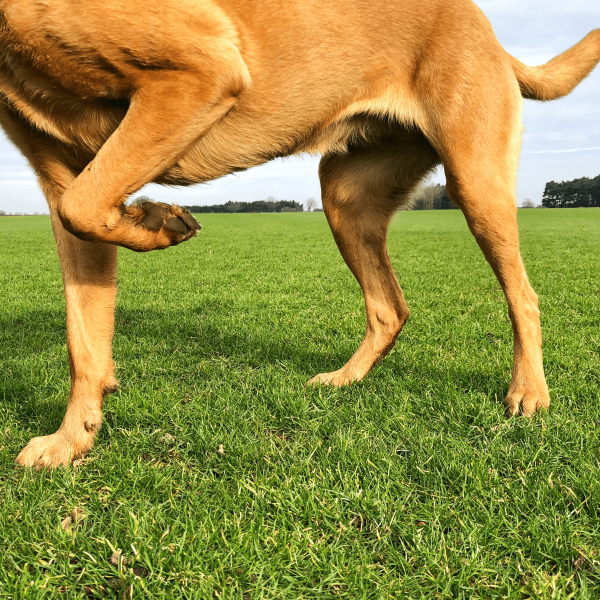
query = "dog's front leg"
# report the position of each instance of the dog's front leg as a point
(89, 274)
(89, 271)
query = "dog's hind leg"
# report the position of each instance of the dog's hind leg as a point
(361, 192)
(479, 146)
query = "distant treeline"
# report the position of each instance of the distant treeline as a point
(22, 214)
(571, 194)
(259, 206)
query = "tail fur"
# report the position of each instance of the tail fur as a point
(562, 74)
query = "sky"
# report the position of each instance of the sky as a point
(561, 140)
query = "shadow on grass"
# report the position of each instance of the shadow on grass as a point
(241, 346)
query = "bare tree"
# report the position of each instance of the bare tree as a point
(140, 200)
(424, 196)
(421, 195)
(429, 195)
(310, 204)
(527, 203)
(233, 206)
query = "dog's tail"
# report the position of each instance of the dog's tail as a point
(559, 77)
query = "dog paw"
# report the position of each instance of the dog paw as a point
(335, 379)
(525, 403)
(158, 226)
(49, 451)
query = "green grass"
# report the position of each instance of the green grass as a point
(410, 485)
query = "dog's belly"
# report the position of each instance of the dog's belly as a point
(231, 146)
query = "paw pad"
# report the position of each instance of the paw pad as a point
(157, 215)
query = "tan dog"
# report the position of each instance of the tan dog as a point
(104, 96)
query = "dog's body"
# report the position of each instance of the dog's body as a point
(103, 97)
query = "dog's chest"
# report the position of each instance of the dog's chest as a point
(51, 91)
(74, 120)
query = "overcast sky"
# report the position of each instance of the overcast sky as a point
(561, 141)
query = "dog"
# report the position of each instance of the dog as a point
(105, 96)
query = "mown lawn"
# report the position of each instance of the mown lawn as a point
(410, 485)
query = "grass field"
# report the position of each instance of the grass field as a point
(410, 485)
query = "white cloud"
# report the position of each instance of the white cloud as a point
(27, 174)
(563, 151)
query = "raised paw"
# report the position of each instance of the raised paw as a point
(168, 225)
(49, 451)
(139, 227)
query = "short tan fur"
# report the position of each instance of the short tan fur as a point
(105, 96)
